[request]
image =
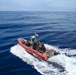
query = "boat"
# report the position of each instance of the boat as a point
(39, 53)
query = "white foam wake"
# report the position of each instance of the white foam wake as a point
(57, 65)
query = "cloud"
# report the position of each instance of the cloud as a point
(38, 5)
(63, 5)
(3, 7)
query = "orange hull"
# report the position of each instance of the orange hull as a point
(32, 51)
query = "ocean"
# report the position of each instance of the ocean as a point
(56, 29)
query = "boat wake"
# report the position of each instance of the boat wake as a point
(64, 63)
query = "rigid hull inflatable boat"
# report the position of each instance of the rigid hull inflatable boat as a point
(39, 53)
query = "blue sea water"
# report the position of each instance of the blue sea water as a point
(57, 29)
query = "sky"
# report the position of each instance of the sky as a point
(37, 5)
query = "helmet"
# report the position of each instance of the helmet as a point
(42, 42)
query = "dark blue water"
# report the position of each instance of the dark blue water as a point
(54, 28)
